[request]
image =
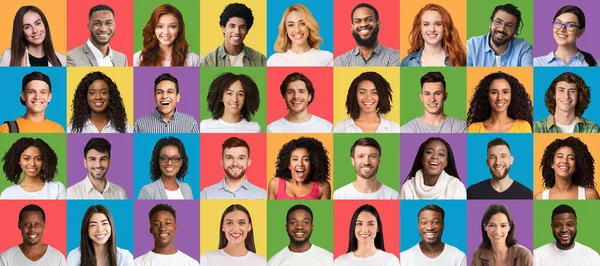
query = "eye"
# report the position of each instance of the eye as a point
(173, 27)
(159, 26)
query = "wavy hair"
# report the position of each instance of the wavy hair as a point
(88, 253)
(317, 154)
(583, 93)
(151, 55)
(19, 42)
(418, 162)
(584, 163)
(224, 81)
(249, 241)
(384, 90)
(11, 159)
(284, 43)
(155, 172)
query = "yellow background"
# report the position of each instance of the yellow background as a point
(476, 74)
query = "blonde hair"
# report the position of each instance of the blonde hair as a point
(284, 43)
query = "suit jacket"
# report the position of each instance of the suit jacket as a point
(83, 56)
(6, 55)
(156, 190)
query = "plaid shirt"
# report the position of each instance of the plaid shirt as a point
(548, 125)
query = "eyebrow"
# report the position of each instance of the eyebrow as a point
(27, 24)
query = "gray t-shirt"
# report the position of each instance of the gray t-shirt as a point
(14, 257)
(451, 125)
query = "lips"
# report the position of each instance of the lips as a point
(300, 173)
(236, 235)
(299, 234)
(98, 104)
(163, 235)
(166, 38)
(430, 235)
(500, 34)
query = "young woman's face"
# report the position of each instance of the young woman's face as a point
(365, 229)
(499, 95)
(497, 228)
(233, 98)
(31, 162)
(564, 36)
(296, 28)
(432, 30)
(367, 97)
(300, 164)
(564, 163)
(34, 28)
(98, 96)
(170, 161)
(435, 158)
(99, 229)
(167, 29)
(236, 226)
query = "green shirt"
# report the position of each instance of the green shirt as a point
(218, 57)
(548, 125)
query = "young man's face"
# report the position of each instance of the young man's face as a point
(36, 96)
(32, 227)
(163, 228)
(297, 96)
(564, 229)
(299, 226)
(502, 27)
(431, 227)
(235, 162)
(235, 31)
(433, 96)
(566, 97)
(499, 161)
(97, 164)
(101, 26)
(366, 161)
(365, 27)
(166, 97)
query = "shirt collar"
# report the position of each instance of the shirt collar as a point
(376, 50)
(417, 55)
(489, 48)
(223, 185)
(384, 124)
(158, 115)
(97, 52)
(551, 57)
(222, 54)
(551, 122)
(88, 186)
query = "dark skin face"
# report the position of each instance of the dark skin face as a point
(32, 228)
(163, 228)
(564, 229)
(299, 227)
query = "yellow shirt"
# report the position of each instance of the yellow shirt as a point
(520, 126)
(28, 126)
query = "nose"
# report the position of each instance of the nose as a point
(299, 225)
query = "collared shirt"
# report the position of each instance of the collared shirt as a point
(480, 53)
(100, 58)
(218, 57)
(348, 126)
(89, 127)
(548, 125)
(245, 191)
(551, 60)
(414, 59)
(154, 123)
(84, 189)
(381, 56)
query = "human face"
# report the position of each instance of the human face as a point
(497, 228)
(167, 29)
(163, 228)
(299, 227)
(499, 161)
(235, 31)
(31, 162)
(366, 229)
(502, 27)
(431, 227)
(236, 226)
(564, 164)
(435, 158)
(34, 28)
(296, 28)
(233, 98)
(562, 36)
(566, 97)
(32, 227)
(432, 29)
(564, 229)
(97, 164)
(102, 27)
(166, 97)
(235, 162)
(297, 96)
(98, 96)
(367, 96)
(433, 96)
(170, 161)
(99, 229)
(365, 27)
(500, 95)
(366, 161)
(300, 164)
(36, 96)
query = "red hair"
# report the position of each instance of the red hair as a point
(450, 42)
(151, 53)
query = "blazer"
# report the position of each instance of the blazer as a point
(156, 190)
(5, 61)
(83, 56)
(517, 256)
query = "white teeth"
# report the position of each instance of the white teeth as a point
(369, 104)
(432, 105)
(299, 234)
(364, 31)
(33, 236)
(434, 163)
(236, 234)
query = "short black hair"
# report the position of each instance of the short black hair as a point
(31, 208)
(100, 8)
(510, 9)
(367, 6)
(35, 75)
(369, 142)
(435, 208)
(563, 208)
(498, 142)
(299, 207)
(98, 144)
(236, 10)
(166, 76)
(432, 77)
(162, 207)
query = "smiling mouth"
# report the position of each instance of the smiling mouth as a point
(298, 36)
(500, 34)
(165, 103)
(163, 235)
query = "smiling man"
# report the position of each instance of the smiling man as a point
(96, 51)
(565, 250)
(165, 118)
(431, 251)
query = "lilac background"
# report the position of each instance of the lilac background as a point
(543, 31)
(121, 161)
(187, 238)
(189, 88)
(409, 146)
(521, 212)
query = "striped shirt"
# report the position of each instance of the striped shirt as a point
(154, 123)
(381, 56)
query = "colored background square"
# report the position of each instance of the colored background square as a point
(479, 12)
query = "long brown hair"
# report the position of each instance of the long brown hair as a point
(249, 241)
(151, 53)
(88, 254)
(19, 43)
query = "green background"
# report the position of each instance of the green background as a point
(58, 142)
(389, 165)
(479, 12)
(142, 10)
(277, 237)
(410, 82)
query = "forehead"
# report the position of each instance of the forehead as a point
(436, 145)
(300, 214)
(297, 84)
(365, 149)
(165, 84)
(366, 84)
(32, 216)
(236, 215)
(235, 151)
(565, 150)
(95, 153)
(366, 216)
(31, 151)
(568, 17)
(498, 149)
(566, 85)
(300, 151)
(498, 218)
(102, 15)
(98, 84)
(162, 215)
(169, 150)
(363, 12)
(564, 217)
(431, 15)
(235, 86)
(167, 19)
(236, 21)
(98, 216)
(430, 214)
(432, 86)
(505, 16)
(30, 17)
(37, 85)
(294, 16)
(499, 84)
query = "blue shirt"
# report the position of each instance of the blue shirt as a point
(480, 53)
(414, 59)
(551, 60)
(221, 191)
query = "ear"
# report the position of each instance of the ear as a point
(421, 97)
(178, 97)
(249, 162)
(249, 227)
(512, 159)
(581, 32)
(49, 97)
(352, 159)
(23, 97)
(84, 162)
(221, 161)
(445, 96)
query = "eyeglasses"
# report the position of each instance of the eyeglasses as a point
(498, 23)
(568, 26)
(165, 159)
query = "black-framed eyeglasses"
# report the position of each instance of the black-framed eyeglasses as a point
(165, 159)
(509, 25)
(568, 26)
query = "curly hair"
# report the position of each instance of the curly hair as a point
(319, 161)
(584, 163)
(284, 43)
(151, 55)
(115, 111)
(520, 106)
(224, 81)
(418, 162)
(11, 159)
(162, 207)
(384, 91)
(450, 41)
(238, 10)
(155, 172)
(583, 93)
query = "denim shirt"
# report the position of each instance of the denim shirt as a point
(480, 53)
(414, 59)
(551, 60)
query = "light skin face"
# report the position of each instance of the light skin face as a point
(163, 228)
(98, 96)
(300, 164)
(31, 162)
(497, 228)
(235, 31)
(367, 97)
(564, 163)
(364, 24)
(366, 228)
(499, 161)
(297, 96)
(564, 37)
(433, 97)
(236, 226)
(366, 161)
(36, 96)
(99, 229)
(235, 162)
(566, 97)
(233, 98)
(102, 27)
(499, 95)
(172, 161)
(166, 97)
(299, 226)
(97, 164)
(431, 227)
(432, 30)
(32, 227)
(564, 229)
(502, 34)
(296, 29)
(167, 29)
(34, 28)
(435, 158)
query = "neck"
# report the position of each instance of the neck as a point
(365, 250)
(433, 119)
(101, 251)
(98, 117)
(498, 49)
(433, 49)
(29, 249)
(300, 49)
(166, 250)
(170, 182)
(564, 118)
(501, 185)
(236, 250)
(166, 52)
(103, 48)
(500, 250)
(565, 52)
(370, 116)
(99, 184)
(563, 184)
(31, 180)
(231, 118)
(430, 180)
(298, 117)
(36, 50)
(35, 117)
(234, 183)
(166, 117)
(232, 50)
(366, 185)
(432, 250)
(300, 247)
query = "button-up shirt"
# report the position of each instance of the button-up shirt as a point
(381, 56)
(414, 59)
(218, 57)
(551, 60)
(548, 125)
(84, 189)
(100, 58)
(480, 53)
(222, 191)
(154, 123)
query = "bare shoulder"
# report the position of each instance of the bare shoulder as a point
(591, 193)
(538, 195)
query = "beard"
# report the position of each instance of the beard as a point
(502, 175)
(295, 242)
(369, 42)
(231, 175)
(96, 41)
(368, 176)
(560, 245)
(498, 42)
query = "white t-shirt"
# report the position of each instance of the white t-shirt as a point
(314, 256)
(380, 258)
(14, 257)
(568, 128)
(236, 60)
(314, 125)
(124, 257)
(220, 257)
(154, 259)
(176, 194)
(550, 255)
(348, 126)
(51, 190)
(349, 192)
(219, 126)
(313, 57)
(450, 256)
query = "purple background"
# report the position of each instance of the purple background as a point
(121, 161)
(521, 212)
(189, 88)
(543, 32)
(187, 238)
(409, 146)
